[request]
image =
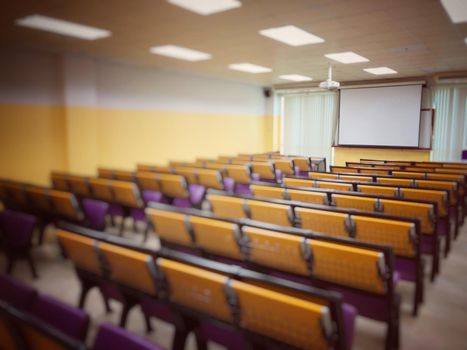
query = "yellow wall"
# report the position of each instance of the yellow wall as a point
(32, 142)
(271, 139)
(130, 136)
(353, 154)
(37, 139)
(82, 139)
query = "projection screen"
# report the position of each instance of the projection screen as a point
(380, 116)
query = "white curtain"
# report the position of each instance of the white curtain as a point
(309, 123)
(449, 136)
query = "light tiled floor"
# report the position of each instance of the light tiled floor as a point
(441, 324)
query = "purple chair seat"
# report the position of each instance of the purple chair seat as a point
(229, 184)
(69, 320)
(197, 193)
(16, 293)
(242, 189)
(154, 308)
(229, 338)
(349, 313)
(110, 291)
(186, 250)
(137, 214)
(182, 203)
(443, 227)
(234, 339)
(196, 196)
(370, 305)
(153, 196)
(279, 174)
(396, 277)
(453, 226)
(405, 269)
(17, 229)
(427, 244)
(116, 210)
(95, 212)
(115, 338)
(229, 261)
(269, 180)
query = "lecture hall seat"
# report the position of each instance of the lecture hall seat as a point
(115, 338)
(96, 212)
(67, 319)
(17, 229)
(16, 293)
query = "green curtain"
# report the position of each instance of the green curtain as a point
(449, 134)
(309, 123)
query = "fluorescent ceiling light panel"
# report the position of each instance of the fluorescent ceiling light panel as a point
(180, 53)
(62, 27)
(380, 70)
(249, 68)
(295, 77)
(206, 7)
(456, 9)
(347, 57)
(291, 35)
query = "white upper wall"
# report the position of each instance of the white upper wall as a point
(30, 78)
(43, 78)
(122, 86)
(79, 81)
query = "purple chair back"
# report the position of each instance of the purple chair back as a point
(154, 196)
(242, 189)
(16, 293)
(138, 214)
(229, 184)
(17, 228)
(115, 338)
(70, 320)
(20, 330)
(197, 193)
(229, 338)
(95, 212)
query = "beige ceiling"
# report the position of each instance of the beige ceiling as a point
(414, 37)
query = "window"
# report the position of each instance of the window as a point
(308, 123)
(450, 134)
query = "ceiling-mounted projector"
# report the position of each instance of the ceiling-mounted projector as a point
(329, 84)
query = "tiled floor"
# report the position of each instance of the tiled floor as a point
(441, 324)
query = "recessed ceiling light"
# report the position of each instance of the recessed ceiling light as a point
(465, 40)
(206, 7)
(62, 27)
(291, 35)
(295, 77)
(380, 70)
(249, 68)
(180, 53)
(347, 57)
(456, 9)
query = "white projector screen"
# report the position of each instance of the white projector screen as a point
(380, 116)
